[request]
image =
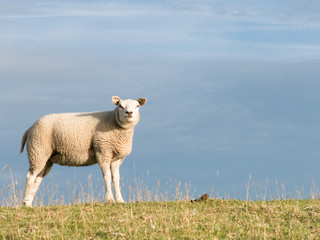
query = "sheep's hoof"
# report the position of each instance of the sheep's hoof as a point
(110, 200)
(26, 204)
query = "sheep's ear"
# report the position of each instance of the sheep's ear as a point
(116, 100)
(142, 101)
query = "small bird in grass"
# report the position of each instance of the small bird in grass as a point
(204, 197)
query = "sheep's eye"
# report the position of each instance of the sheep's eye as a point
(137, 106)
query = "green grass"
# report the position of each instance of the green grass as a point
(155, 215)
(213, 219)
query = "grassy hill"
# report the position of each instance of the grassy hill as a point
(212, 219)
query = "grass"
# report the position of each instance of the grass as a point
(151, 214)
(213, 219)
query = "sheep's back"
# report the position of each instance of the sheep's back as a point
(74, 131)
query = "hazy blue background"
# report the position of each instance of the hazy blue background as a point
(232, 87)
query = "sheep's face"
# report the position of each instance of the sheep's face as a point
(128, 109)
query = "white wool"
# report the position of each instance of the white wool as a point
(82, 139)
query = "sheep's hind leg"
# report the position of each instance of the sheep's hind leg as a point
(28, 196)
(33, 181)
(116, 179)
(106, 171)
(41, 175)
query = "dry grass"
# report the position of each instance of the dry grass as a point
(152, 214)
(220, 219)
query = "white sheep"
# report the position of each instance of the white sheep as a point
(82, 139)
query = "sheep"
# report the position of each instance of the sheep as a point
(82, 139)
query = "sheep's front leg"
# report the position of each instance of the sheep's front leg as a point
(116, 179)
(106, 171)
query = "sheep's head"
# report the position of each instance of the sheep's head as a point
(128, 109)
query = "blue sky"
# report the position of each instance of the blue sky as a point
(232, 87)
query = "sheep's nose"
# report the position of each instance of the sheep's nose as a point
(129, 113)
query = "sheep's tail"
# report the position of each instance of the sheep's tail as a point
(24, 139)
